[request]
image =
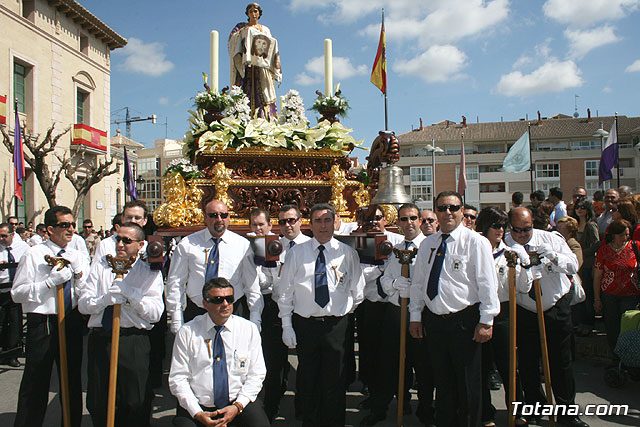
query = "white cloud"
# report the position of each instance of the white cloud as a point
(523, 60)
(582, 13)
(635, 67)
(342, 70)
(163, 100)
(606, 89)
(437, 64)
(583, 41)
(145, 58)
(553, 76)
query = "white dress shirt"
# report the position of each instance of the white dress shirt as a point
(346, 228)
(78, 243)
(188, 268)
(271, 275)
(29, 287)
(191, 376)
(18, 249)
(36, 239)
(296, 287)
(108, 247)
(371, 272)
(554, 282)
(468, 276)
(524, 276)
(393, 269)
(141, 286)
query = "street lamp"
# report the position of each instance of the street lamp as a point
(602, 134)
(140, 184)
(431, 148)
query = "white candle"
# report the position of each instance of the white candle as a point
(214, 61)
(328, 68)
(280, 104)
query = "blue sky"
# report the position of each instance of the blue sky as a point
(446, 58)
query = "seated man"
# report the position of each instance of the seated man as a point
(226, 348)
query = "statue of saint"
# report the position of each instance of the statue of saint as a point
(255, 62)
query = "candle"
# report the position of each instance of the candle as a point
(214, 61)
(328, 68)
(280, 104)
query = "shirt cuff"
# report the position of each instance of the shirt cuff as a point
(415, 316)
(243, 400)
(193, 406)
(486, 319)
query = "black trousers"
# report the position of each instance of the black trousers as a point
(320, 380)
(275, 358)
(42, 350)
(369, 321)
(158, 349)
(456, 360)
(133, 391)
(10, 322)
(419, 359)
(240, 308)
(252, 416)
(559, 330)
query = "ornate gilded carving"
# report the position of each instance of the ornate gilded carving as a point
(362, 196)
(337, 178)
(182, 203)
(221, 178)
(390, 213)
(194, 215)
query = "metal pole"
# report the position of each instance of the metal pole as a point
(617, 149)
(530, 157)
(433, 175)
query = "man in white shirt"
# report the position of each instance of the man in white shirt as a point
(40, 235)
(454, 276)
(429, 222)
(559, 207)
(133, 211)
(140, 294)
(212, 252)
(35, 288)
(321, 283)
(226, 348)
(11, 251)
(611, 198)
(469, 216)
(557, 262)
(275, 352)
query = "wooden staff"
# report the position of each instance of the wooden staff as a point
(512, 259)
(543, 348)
(120, 266)
(405, 258)
(60, 263)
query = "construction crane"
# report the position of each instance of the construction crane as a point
(128, 120)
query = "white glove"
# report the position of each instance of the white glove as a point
(547, 251)
(57, 277)
(289, 336)
(174, 326)
(255, 317)
(523, 256)
(115, 293)
(402, 285)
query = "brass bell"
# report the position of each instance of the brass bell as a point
(391, 187)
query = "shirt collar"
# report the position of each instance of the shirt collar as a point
(208, 236)
(333, 243)
(417, 240)
(455, 233)
(55, 248)
(228, 325)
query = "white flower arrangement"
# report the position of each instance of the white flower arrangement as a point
(293, 111)
(184, 168)
(337, 102)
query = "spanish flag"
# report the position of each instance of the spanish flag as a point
(379, 72)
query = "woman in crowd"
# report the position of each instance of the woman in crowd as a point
(587, 236)
(568, 227)
(615, 283)
(491, 223)
(625, 209)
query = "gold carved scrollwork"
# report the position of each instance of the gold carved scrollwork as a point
(390, 213)
(182, 203)
(194, 215)
(337, 178)
(221, 178)
(362, 196)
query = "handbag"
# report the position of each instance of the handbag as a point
(577, 291)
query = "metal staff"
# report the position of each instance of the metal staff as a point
(60, 263)
(120, 266)
(543, 348)
(405, 257)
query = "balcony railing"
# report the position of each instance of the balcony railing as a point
(89, 137)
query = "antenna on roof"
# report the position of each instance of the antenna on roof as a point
(575, 106)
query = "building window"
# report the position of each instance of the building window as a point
(547, 170)
(546, 186)
(149, 167)
(82, 107)
(421, 192)
(591, 168)
(84, 44)
(585, 145)
(489, 168)
(489, 148)
(472, 172)
(497, 187)
(150, 192)
(552, 146)
(626, 163)
(20, 89)
(421, 174)
(592, 186)
(29, 10)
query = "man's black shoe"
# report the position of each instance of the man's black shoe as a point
(571, 421)
(494, 380)
(14, 363)
(372, 419)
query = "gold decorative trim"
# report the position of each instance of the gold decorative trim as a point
(273, 182)
(323, 153)
(390, 213)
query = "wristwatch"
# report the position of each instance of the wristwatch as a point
(239, 406)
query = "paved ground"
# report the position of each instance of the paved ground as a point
(588, 372)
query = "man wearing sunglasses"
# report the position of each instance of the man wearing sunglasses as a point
(217, 366)
(40, 235)
(429, 224)
(11, 251)
(275, 352)
(469, 215)
(611, 198)
(133, 211)
(557, 262)
(321, 283)
(140, 294)
(579, 195)
(455, 278)
(34, 287)
(212, 252)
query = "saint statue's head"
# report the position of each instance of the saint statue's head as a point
(252, 6)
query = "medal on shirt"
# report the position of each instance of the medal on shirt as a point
(456, 265)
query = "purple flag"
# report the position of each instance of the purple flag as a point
(609, 156)
(129, 182)
(18, 157)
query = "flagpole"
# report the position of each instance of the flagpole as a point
(386, 113)
(617, 149)
(530, 156)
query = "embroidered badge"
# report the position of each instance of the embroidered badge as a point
(501, 271)
(457, 265)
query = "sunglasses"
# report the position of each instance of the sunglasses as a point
(407, 218)
(429, 220)
(579, 196)
(521, 230)
(497, 226)
(87, 226)
(378, 217)
(452, 208)
(469, 216)
(216, 215)
(581, 207)
(218, 300)
(125, 240)
(289, 221)
(65, 225)
(4, 236)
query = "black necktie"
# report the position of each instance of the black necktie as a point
(434, 276)
(12, 270)
(220, 375)
(291, 244)
(66, 291)
(321, 283)
(213, 261)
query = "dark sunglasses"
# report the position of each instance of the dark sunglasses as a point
(216, 215)
(65, 225)
(125, 240)
(429, 220)
(289, 221)
(579, 196)
(452, 208)
(407, 218)
(581, 207)
(378, 217)
(469, 216)
(87, 226)
(497, 226)
(219, 300)
(521, 230)
(4, 236)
